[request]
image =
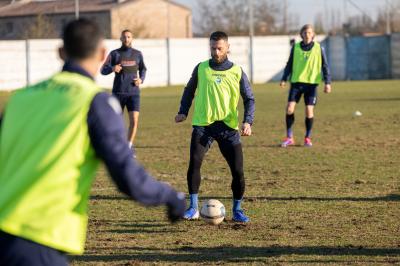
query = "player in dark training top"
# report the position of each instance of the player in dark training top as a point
(130, 71)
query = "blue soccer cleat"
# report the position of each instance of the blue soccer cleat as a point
(240, 217)
(191, 214)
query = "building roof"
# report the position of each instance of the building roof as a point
(29, 8)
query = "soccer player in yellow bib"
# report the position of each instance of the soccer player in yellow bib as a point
(216, 86)
(306, 62)
(53, 136)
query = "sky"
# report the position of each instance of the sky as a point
(307, 10)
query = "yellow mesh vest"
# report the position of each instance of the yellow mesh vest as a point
(47, 163)
(217, 96)
(307, 65)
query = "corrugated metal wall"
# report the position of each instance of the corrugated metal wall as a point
(368, 58)
(336, 52)
(395, 55)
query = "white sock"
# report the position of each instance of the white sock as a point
(130, 145)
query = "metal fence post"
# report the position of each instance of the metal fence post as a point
(27, 61)
(168, 62)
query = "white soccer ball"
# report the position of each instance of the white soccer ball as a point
(212, 211)
(357, 113)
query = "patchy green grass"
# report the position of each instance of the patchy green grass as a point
(336, 203)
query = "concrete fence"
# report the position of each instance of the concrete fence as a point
(171, 61)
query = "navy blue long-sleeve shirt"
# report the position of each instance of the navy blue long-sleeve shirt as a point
(132, 64)
(108, 138)
(307, 47)
(245, 91)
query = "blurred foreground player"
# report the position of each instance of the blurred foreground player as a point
(53, 136)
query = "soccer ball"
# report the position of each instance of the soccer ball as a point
(212, 211)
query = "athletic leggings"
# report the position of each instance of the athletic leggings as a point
(229, 144)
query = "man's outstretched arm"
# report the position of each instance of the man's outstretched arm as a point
(107, 135)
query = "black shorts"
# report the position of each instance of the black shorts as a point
(309, 91)
(216, 131)
(132, 102)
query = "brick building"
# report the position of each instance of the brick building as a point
(45, 19)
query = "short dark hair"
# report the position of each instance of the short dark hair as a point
(81, 38)
(218, 35)
(125, 31)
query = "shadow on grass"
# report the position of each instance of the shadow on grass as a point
(232, 254)
(390, 197)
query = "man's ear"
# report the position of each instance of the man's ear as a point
(62, 54)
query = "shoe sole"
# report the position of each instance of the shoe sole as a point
(241, 221)
(194, 217)
(286, 145)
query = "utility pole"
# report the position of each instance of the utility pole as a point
(388, 29)
(251, 33)
(168, 44)
(77, 9)
(285, 17)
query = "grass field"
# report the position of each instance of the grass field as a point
(336, 203)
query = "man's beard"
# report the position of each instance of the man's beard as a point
(222, 59)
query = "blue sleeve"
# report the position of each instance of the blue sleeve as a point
(188, 93)
(289, 66)
(248, 99)
(107, 66)
(142, 68)
(108, 138)
(325, 67)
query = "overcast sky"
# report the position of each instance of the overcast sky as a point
(306, 10)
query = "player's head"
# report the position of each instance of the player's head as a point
(83, 42)
(219, 46)
(307, 33)
(126, 38)
(82, 39)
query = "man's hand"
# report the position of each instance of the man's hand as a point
(117, 68)
(327, 88)
(176, 207)
(180, 118)
(282, 84)
(137, 82)
(246, 129)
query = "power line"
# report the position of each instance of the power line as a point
(359, 9)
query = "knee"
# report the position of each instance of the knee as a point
(290, 109)
(309, 112)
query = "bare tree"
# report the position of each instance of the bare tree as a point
(41, 28)
(319, 24)
(232, 16)
(393, 16)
